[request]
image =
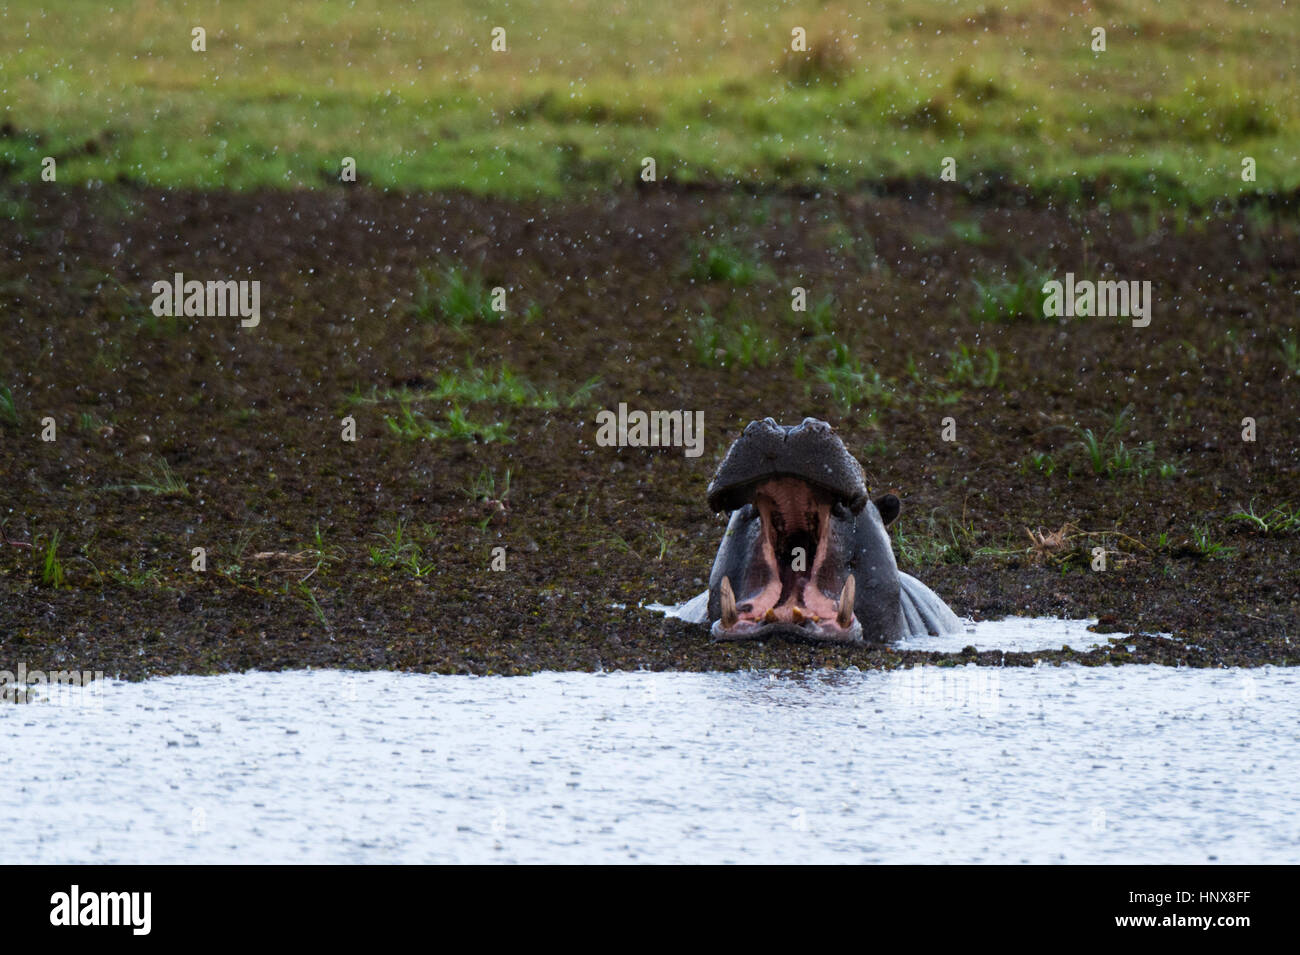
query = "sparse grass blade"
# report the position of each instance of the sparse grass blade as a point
(52, 567)
(157, 477)
(8, 408)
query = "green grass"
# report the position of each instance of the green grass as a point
(8, 410)
(1108, 456)
(852, 384)
(457, 424)
(1009, 299)
(843, 243)
(322, 554)
(662, 540)
(157, 477)
(1207, 547)
(472, 384)
(947, 541)
(411, 425)
(398, 550)
(308, 596)
(818, 320)
(500, 387)
(1289, 349)
(971, 368)
(1041, 462)
(1285, 518)
(453, 296)
(51, 566)
(969, 233)
(728, 344)
(484, 487)
(139, 579)
(285, 91)
(722, 262)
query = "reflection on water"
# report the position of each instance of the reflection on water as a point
(956, 764)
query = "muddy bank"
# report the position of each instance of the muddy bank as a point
(180, 433)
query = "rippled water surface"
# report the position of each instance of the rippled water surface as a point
(1014, 634)
(967, 764)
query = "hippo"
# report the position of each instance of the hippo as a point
(805, 554)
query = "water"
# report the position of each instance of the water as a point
(1014, 634)
(968, 764)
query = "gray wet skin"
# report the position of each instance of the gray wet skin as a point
(802, 528)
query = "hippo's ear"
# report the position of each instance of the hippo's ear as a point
(888, 506)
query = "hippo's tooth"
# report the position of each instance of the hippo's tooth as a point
(845, 615)
(796, 614)
(729, 615)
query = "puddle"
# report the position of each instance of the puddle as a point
(1137, 764)
(1014, 635)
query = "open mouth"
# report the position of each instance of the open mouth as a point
(793, 584)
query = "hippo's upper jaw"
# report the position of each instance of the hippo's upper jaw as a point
(809, 450)
(787, 564)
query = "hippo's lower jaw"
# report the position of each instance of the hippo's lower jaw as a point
(810, 630)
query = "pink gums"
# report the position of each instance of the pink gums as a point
(793, 513)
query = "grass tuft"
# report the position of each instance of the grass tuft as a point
(1005, 300)
(8, 409)
(722, 262)
(850, 383)
(967, 367)
(1289, 349)
(454, 296)
(1108, 456)
(52, 567)
(158, 478)
(398, 550)
(742, 345)
(1285, 518)
(411, 425)
(484, 487)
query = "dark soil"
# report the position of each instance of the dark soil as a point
(250, 420)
